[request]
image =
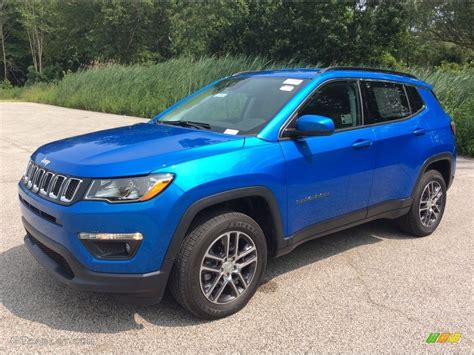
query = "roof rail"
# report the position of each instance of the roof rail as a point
(243, 72)
(375, 70)
(275, 70)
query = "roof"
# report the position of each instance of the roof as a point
(334, 72)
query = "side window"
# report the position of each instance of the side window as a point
(416, 101)
(337, 100)
(384, 102)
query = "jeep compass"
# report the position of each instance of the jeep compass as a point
(247, 168)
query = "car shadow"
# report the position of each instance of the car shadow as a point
(30, 293)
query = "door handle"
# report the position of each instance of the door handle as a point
(419, 131)
(362, 143)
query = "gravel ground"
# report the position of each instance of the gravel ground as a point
(370, 288)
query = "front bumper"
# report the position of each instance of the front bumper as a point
(154, 219)
(147, 288)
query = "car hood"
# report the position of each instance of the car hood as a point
(131, 150)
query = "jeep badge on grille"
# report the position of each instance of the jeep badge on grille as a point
(45, 161)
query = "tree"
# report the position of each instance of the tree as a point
(377, 31)
(5, 13)
(203, 28)
(35, 16)
(53, 37)
(131, 31)
(448, 20)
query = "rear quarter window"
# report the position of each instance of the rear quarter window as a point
(416, 102)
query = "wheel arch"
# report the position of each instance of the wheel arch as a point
(441, 162)
(232, 199)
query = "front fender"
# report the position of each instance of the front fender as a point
(200, 205)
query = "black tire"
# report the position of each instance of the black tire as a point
(185, 279)
(412, 222)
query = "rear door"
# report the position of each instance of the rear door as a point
(402, 137)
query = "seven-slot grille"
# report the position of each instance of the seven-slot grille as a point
(48, 184)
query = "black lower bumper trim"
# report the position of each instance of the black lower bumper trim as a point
(138, 288)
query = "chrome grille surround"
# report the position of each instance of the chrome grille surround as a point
(56, 186)
(37, 179)
(70, 189)
(27, 172)
(49, 185)
(31, 176)
(44, 187)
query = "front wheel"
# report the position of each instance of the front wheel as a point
(220, 265)
(429, 201)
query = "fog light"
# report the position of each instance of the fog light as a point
(111, 236)
(111, 245)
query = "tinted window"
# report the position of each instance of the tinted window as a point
(384, 102)
(416, 102)
(338, 101)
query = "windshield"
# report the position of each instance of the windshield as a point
(237, 105)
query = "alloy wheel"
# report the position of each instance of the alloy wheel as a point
(430, 203)
(228, 267)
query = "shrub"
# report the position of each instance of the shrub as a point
(6, 85)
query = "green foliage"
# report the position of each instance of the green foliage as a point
(146, 90)
(41, 92)
(197, 28)
(465, 126)
(37, 19)
(33, 76)
(389, 61)
(454, 86)
(6, 85)
(447, 20)
(325, 31)
(61, 36)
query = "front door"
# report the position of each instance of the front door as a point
(330, 176)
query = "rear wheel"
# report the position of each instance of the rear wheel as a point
(220, 265)
(429, 201)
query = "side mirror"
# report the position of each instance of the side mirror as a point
(311, 125)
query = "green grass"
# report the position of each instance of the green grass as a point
(455, 91)
(145, 90)
(139, 90)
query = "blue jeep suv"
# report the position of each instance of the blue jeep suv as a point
(249, 167)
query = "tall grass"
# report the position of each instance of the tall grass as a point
(145, 90)
(455, 90)
(139, 90)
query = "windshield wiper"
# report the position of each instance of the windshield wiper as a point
(197, 125)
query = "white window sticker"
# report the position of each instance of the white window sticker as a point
(286, 88)
(346, 118)
(220, 95)
(293, 81)
(231, 131)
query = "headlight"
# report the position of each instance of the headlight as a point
(130, 189)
